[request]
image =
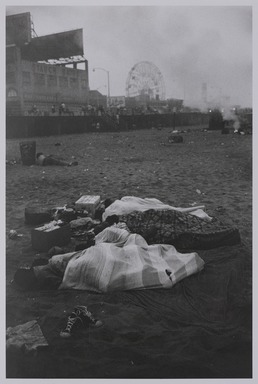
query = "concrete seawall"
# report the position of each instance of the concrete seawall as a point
(34, 126)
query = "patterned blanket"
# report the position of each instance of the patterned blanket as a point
(182, 230)
(185, 228)
(124, 261)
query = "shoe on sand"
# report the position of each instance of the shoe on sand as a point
(80, 317)
(87, 317)
(72, 323)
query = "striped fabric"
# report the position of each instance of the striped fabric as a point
(124, 261)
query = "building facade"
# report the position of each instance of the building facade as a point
(39, 79)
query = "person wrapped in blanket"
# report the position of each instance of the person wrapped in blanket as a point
(184, 231)
(170, 227)
(50, 275)
(159, 223)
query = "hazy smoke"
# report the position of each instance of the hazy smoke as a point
(229, 114)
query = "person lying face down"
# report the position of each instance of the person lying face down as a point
(43, 160)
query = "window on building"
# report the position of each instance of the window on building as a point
(10, 77)
(63, 81)
(73, 82)
(51, 81)
(39, 79)
(12, 93)
(26, 80)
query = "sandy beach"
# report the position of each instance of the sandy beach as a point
(198, 329)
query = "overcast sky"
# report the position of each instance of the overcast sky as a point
(190, 45)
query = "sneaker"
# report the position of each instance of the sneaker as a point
(73, 322)
(86, 316)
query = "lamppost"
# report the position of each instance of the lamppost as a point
(107, 72)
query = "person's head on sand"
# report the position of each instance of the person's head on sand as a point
(112, 219)
(107, 202)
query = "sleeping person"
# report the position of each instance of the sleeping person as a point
(119, 260)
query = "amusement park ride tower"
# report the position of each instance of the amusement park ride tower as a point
(145, 81)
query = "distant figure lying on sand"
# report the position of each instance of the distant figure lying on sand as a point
(43, 160)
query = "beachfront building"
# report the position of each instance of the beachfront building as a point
(46, 75)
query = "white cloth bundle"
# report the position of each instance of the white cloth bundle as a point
(125, 261)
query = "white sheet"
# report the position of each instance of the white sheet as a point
(127, 262)
(131, 203)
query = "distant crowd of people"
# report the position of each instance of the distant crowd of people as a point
(92, 110)
(60, 110)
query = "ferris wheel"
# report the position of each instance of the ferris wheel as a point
(145, 79)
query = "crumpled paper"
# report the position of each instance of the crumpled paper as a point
(27, 337)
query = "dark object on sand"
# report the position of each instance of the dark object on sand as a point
(112, 219)
(107, 202)
(80, 317)
(175, 139)
(50, 235)
(25, 278)
(38, 277)
(101, 208)
(28, 152)
(68, 215)
(36, 215)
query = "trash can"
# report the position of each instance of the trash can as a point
(28, 152)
